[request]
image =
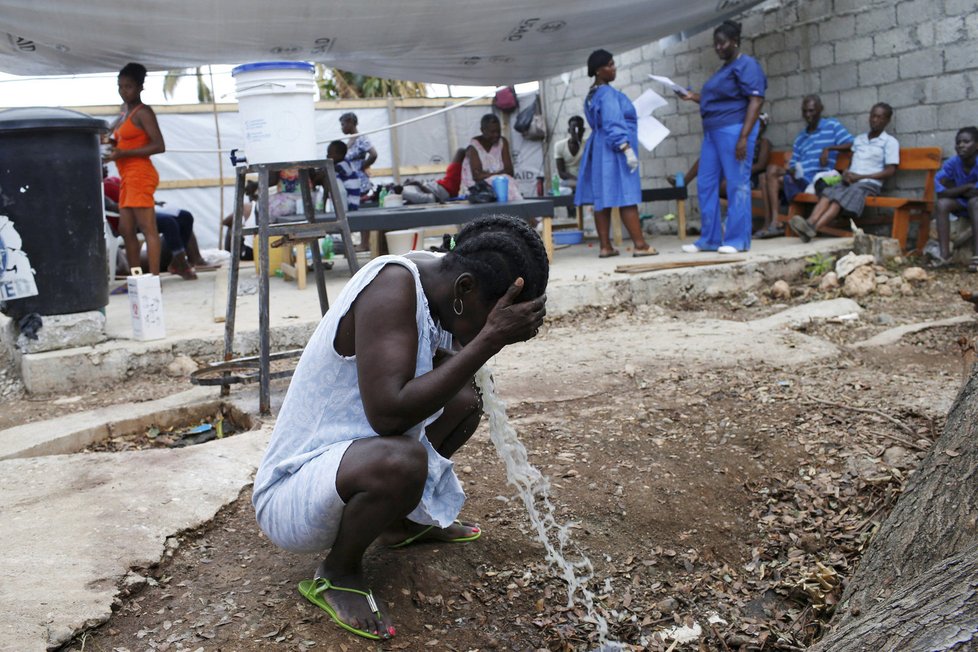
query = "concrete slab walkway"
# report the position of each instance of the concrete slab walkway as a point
(578, 278)
(72, 526)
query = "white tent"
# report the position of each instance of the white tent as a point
(458, 42)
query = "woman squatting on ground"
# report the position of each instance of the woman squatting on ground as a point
(382, 398)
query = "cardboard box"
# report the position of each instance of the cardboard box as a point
(145, 306)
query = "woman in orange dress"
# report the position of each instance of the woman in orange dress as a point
(135, 137)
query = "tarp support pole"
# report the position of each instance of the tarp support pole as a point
(551, 131)
(220, 161)
(452, 129)
(395, 143)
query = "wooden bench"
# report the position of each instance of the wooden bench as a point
(905, 209)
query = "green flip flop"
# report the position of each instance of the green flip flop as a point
(412, 539)
(312, 591)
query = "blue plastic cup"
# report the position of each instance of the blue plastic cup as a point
(500, 185)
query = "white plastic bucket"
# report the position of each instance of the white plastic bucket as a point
(276, 102)
(403, 241)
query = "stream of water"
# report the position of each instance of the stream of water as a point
(534, 490)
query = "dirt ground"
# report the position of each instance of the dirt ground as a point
(733, 499)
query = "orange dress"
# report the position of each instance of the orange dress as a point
(139, 176)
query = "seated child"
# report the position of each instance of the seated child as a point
(957, 194)
(875, 157)
(349, 180)
(250, 213)
(285, 202)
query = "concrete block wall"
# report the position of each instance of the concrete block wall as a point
(920, 56)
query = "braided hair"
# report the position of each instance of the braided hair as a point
(498, 249)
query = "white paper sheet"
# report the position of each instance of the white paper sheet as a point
(648, 102)
(651, 132)
(671, 85)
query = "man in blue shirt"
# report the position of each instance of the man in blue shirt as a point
(809, 156)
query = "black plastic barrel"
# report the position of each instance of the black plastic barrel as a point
(51, 190)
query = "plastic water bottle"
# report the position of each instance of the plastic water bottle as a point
(555, 185)
(381, 197)
(680, 180)
(326, 248)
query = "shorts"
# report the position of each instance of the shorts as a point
(302, 511)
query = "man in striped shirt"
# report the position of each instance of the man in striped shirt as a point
(809, 156)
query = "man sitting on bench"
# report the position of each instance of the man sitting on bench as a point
(875, 157)
(811, 153)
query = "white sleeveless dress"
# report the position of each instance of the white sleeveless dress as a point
(295, 497)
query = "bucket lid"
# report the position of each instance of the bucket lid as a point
(273, 65)
(41, 117)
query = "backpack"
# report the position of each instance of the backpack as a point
(530, 122)
(505, 100)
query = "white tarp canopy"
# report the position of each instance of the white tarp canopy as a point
(457, 42)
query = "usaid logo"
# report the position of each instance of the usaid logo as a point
(21, 43)
(522, 28)
(552, 26)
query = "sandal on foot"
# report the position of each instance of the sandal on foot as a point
(472, 537)
(771, 231)
(187, 272)
(608, 254)
(936, 262)
(312, 591)
(638, 253)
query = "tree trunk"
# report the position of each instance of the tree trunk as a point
(935, 610)
(916, 586)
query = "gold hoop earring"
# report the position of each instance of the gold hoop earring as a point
(457, 306)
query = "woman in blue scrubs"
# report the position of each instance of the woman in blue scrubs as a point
(730, 104)
(608, 176)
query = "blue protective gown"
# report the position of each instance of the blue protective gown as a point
(604, 179)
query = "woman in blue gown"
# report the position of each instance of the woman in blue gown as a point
(608, 176)
(729, 105)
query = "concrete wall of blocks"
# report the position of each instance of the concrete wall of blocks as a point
(920, 56)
